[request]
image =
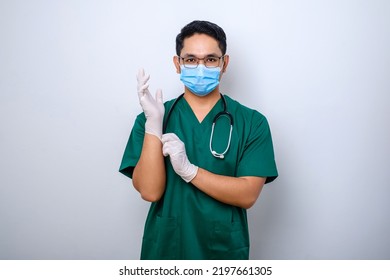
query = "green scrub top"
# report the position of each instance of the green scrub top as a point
(187, 223)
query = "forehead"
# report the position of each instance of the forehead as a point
(200, 45)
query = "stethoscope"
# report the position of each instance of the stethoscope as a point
(223, 113)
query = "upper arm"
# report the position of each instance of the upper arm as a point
(258, 154)
(133, 148)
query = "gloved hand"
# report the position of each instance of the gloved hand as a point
(153, 108)
(175, 148)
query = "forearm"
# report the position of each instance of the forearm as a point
(149, 173)
(242, 191)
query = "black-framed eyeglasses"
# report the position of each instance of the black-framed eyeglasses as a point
(208, 61)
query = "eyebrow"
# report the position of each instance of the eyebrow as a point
(208, 55)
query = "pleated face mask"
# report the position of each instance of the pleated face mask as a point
(200, 80)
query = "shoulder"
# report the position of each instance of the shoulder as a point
(243, 112)
(169, 103)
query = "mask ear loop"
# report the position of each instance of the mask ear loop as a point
(229, 116)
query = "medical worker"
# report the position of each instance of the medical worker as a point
(201, 159)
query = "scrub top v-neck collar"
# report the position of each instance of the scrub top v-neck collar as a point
(185, 106)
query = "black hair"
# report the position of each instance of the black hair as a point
(201, 27)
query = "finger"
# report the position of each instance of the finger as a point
(141, 72)
(142, 91)
(165, 138)
(141, 77)
(143, 84)
(168, 148)
(159, 96)
(165, 150)
(142, 81)
(168, 137)
(143, 87)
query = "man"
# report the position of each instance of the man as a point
(206, 168)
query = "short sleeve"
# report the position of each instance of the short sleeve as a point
(258, 156)
(134, 147)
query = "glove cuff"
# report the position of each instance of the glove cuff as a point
(191, 173)
(152, 128)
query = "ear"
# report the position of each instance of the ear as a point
(225, 63)
(176, 62)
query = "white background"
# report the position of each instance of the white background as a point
(319, 71)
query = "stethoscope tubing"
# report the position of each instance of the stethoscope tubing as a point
(223, 113)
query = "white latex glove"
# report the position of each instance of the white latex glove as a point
(175, 149)
(153, 108)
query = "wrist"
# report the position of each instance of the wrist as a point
(153, 128)
(192, 171)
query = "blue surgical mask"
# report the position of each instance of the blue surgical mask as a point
(200, 80)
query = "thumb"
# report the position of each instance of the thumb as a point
(159, 96)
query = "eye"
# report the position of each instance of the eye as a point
(212, 59)
(190, 60)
